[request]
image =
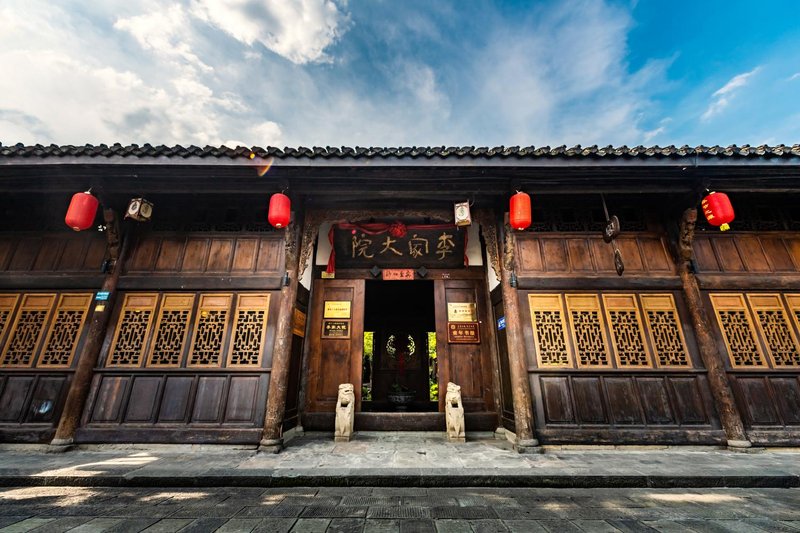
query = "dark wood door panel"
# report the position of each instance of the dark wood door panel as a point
(208, 399)
(242, 396)
(655, 401)
(175, 403)
(623, 401)
(589, 402)
(144, 399)
(109, 400)
(46, 400)
(14, 397)
(787, 399)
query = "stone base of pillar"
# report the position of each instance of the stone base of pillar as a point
(743, 446)
(60, 445)
(528, 446)
(270, 446)
(500, 433)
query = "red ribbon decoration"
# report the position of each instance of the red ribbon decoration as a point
(396, 229)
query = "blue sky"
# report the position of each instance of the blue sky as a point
(400, 72)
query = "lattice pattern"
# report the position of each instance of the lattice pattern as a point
(209, 331)
(666, 335)
(65, 331)
(628, 341)
(24, 338)
(132, 329)
(549, 330)
(27, 331)
(776, 332)
(170, 337)
(778, 337)
(737, 330)
(248, 337)
(550, 333)
(589, 343)
(171, 330)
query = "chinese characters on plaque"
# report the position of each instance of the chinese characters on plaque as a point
(431, 248)
(340, 327)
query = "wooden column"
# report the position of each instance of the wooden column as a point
(272, 436)
(712, 359)
(87, 360)
(518, 365)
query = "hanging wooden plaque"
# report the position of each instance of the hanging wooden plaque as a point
(299, 323)
(335, 329)
(398, 274)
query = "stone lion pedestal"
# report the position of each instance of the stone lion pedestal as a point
(345, 413)
(454, 414)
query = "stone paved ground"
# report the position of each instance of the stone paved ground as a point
(51, 509)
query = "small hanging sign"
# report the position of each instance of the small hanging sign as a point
(102, 296)
(335, 329)
(463, 333)
(336, 309)
(398, 274)
(299, 323)
(461, 312)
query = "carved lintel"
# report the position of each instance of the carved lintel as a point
(113, 240)
(686, 237)
(489, 233)
(508, 250)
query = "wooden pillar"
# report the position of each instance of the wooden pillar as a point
(87, 360)
(272, 436)
(712, 359)
(518, 365)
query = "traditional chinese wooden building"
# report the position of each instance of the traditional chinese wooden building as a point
(207, 324)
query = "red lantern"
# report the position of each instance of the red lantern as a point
(82, 210)
(718, 210)
(519, 211)
(280, 208)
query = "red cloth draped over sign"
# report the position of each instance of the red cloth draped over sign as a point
(395, 229)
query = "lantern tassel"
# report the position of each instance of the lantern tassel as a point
(724, 227)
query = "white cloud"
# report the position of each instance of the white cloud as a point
(299, 31)
(723, 96)
(165, 32)
(794, 76)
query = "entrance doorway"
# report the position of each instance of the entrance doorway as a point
(400, 370)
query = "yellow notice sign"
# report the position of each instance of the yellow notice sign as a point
(336, 309)
(462, 312)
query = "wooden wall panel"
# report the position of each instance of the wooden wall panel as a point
(787, 398)
(14, 398)
(109, 399)
(621, 400)
(208, 399)
(44, 404)
(233, 254)
(581, 254)
(242, 396)
(175, 401)
(756, 402)
(144, 397)
(734, 253)
(768, 400)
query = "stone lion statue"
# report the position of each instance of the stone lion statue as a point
(345, 413)
(454, 413)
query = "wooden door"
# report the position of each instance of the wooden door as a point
(466, 365)
(335, 358)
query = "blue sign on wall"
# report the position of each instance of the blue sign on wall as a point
(101, 296)
(501, 323)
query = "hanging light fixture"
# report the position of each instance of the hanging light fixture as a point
(82, 210)
(718, 210)
(519, 211)
(280, 209)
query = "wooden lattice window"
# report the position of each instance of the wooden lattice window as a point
(775, 328)
(210, 328)
(8, 302)
(627, 332)
(172, 329)
(27, 330)
(665, 332)
(608, 331)
(249, 330)
(588, 330)
(738, 331)
(65, 331)
(133, 328)
(549, 330)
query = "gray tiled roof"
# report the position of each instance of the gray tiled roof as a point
(528, 152)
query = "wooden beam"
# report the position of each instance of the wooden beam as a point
(87, 360)
(712, 358)
(520, 386)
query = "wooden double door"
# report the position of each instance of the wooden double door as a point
(335, 358)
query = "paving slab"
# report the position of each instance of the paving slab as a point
(395, 459)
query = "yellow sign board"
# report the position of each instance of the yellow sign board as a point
(462, 312)
(336, 309)
(299, 323)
